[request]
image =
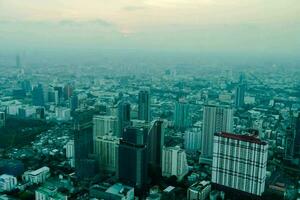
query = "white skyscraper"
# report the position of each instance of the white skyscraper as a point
(215, 119)
(240, 162)
(174, 162)
(70, 152)
(105, 125)
(106, 151)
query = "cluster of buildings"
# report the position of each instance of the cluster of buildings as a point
(169, 136)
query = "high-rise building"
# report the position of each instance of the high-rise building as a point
(240, 162)
(297, 137)
(240, 95)
(123, 116)
(174, 162)
(289, 143)
(192, 140)
(38, 95)
(132, 167)
(85, 163)
(106, 151)
(181, 115)
(105, 125)
(68, 91)
(70, 152)
(199, 190)
(144, 105)
(215, 119)
(2, 119)
(155, 144)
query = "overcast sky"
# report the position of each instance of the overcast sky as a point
(247, 26)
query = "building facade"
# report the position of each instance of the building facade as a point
(215, 119)
(174, 162)
(240, 162)
(106, 151)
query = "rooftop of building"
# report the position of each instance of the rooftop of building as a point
(252, 138)
(119, 189)
(198, 186)
(38, 171)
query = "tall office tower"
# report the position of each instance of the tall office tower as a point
(181, 115)
(106, 151)
(2, 119)
(144, 105)
(240, 95)
(60, 91)
(68, 91)
(289, 143)
(155, 142)
(38, 95)
(132, 168)
(215, 119)
(105, 125)
(192, 141)
(297, 137)
(240, 162)
(123, 116)
(85, 163)
(74, 102)
(174, 162)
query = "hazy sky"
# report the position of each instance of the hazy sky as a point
(236, 26)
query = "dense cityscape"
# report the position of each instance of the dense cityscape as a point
(192, 132)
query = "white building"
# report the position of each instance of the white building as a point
(199, 190)
(7, 183)
(49, 193)
(192, 140)
(174, 162)
(70, 152)
(37, 176)
(63, 114)
(105, 125)
(240, 162)
(215, 119)
(106, 151)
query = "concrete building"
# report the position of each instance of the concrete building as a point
(106, 151)
(192, 141)
(199, 190)
(2, 119)
(70, 152)
(49, 193)
(215, 119)
(144, 105)
(117, 191)
(133, 166)
(240, 162)
(7, 183)
(105, 125)
(37, 176)
(174, 162)
(181, 115)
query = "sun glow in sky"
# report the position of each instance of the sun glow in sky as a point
(254, 26)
